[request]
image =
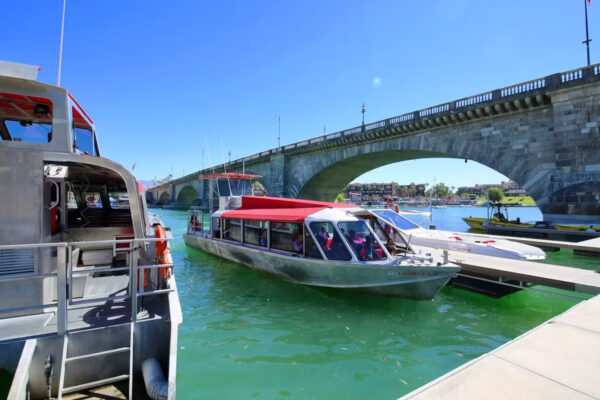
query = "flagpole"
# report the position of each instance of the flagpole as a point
(279, 130)
(587, 35)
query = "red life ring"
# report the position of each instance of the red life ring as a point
(163, 254)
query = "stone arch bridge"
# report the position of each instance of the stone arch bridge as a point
(543, 134)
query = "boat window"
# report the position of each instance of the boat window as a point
(71, 202)
(119, 200)
(310, 246)
(395, 219)
(255, 232)
(29, 131)
(330, 242)
(25, 118)
(92, 199)
(84, 141)
(83, 134)
(362, 241)
(232, 229)
(283, 235)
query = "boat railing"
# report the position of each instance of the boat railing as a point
(195, 222)
(67, 256)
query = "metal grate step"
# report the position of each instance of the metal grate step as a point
(89, 385)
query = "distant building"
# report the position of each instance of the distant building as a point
(509, 188)
(380, 191)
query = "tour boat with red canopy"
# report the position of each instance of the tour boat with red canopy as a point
(312, 243)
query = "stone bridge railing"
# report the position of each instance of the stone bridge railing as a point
(512, 98)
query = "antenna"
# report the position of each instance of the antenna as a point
(62, 30)
(278, 130)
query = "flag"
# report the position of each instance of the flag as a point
(132, 167)
(324, 129)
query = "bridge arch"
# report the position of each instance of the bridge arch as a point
(164, 198)
(186, 196)
(322, 176)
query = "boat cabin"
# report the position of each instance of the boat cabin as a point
(304, 228)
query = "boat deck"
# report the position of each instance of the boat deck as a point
(87, 316)
(556, 276)
(559, 359)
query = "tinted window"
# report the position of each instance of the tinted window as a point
(330, 242)
(255, 232)
(85, 141)
(92, 199)
(311, 247)
(28, 131)
(71, 202)
(283, 235)
(362, 241)
(119, 200)
(232, 229)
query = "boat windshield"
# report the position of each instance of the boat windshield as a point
(362, 241)
(395, 219)
(330, 242)
(234, 187)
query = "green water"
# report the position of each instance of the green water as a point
(248, 335)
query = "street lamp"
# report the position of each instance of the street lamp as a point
(363, 114)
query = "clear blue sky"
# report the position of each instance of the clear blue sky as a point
(164, 80)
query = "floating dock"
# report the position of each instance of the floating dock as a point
(559, 359)
(587, 247)
(501, 270)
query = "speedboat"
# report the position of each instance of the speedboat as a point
(311, 243)
(88, 300)
(455, 241)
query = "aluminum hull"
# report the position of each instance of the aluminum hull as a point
(419, 282)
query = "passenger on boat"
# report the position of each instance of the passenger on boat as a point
(297, 245)
(357, 243)
(263, 238)
(323, 235)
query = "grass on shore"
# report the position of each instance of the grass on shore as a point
(524, 201)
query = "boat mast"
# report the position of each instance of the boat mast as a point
(62, 30)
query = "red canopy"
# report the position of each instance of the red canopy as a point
(272, 214)
(254, 202)
(278, 209)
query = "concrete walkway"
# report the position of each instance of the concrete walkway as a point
(559, 359)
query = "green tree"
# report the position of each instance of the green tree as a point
(257, 185)
(340, 198)
(441, 190)
(495, 194)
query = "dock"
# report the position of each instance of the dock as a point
(587, 247)
(559, 359)
(531, 272)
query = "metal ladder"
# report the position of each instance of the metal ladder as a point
(101, 382)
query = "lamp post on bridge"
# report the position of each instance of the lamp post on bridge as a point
(587, 35)
(364, 109)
